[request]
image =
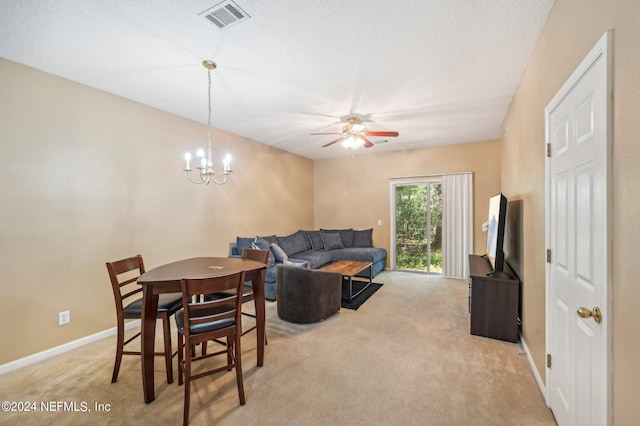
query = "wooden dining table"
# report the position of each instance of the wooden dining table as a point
(166, 279)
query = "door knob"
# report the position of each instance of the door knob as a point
(586, 313)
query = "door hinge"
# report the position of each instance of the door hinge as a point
(548, 255)
(548, 360)
(548, 150)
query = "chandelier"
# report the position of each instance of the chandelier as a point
(205, 167)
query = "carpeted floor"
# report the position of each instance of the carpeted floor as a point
(404, 358)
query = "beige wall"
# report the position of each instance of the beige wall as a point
(573, 27)
(88, 177)
(354, 192)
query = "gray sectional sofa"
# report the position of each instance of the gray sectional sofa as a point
(313, 249)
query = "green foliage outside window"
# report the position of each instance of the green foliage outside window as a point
(419, 227)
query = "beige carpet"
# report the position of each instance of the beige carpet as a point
(404, 358)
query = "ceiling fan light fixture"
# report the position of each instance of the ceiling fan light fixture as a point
(357, 128)
(354, 135)
(352, 142)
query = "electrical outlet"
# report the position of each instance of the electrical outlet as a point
(64, 317)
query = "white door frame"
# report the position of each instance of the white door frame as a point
(602, 49)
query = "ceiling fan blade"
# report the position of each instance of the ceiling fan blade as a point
(389, 134)
(367, 142)
(332, 142)
(334, 133)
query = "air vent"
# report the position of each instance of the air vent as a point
(225, 14)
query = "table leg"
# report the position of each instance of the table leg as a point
(349, 280)
(258, 300)
(350, 288)
(147, 343)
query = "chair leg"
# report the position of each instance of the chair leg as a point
(238, 362)
(168, 355)
(119, 351)
(266, 342)
(180, 359)
(187, 387)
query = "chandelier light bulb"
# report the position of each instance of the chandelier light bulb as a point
(226, 162)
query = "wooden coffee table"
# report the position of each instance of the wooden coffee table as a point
(348, 269)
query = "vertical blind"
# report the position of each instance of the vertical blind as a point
(457, 224)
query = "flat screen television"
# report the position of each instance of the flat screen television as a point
(495, 235)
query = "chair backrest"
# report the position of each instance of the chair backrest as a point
(198, 310)
(255, 254)
(124, 273)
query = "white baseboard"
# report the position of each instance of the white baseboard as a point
(536, 374)
(41, 356)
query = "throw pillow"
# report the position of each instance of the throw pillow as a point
(346, 235)
(302, 264)
(316, 240)
(332, 241)
(261, 244)
(279, 254)
(363, 238)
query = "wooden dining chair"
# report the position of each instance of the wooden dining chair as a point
(247, 290)
(247, 294)
(124, 275)
(210, 319)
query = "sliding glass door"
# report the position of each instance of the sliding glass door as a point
(418, 226)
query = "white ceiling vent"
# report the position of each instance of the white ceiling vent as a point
(225, 14)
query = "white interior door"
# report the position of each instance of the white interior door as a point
(577, 128)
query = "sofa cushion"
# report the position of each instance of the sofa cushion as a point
(316, 259)
(294, 243)
(316, 240)
(279, 254)
(271, 239)
(298, 264)
(363, 238)
(243, 242)
(346, 235)
(365, 254)
(332, 241)
(270, 277)
(307, 240)
(246, 242)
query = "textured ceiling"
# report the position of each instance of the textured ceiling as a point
(437, 71)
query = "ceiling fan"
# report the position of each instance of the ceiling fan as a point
(354, 135)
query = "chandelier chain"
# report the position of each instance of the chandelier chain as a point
(209, 116)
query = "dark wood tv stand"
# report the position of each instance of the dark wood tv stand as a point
(493, 301)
